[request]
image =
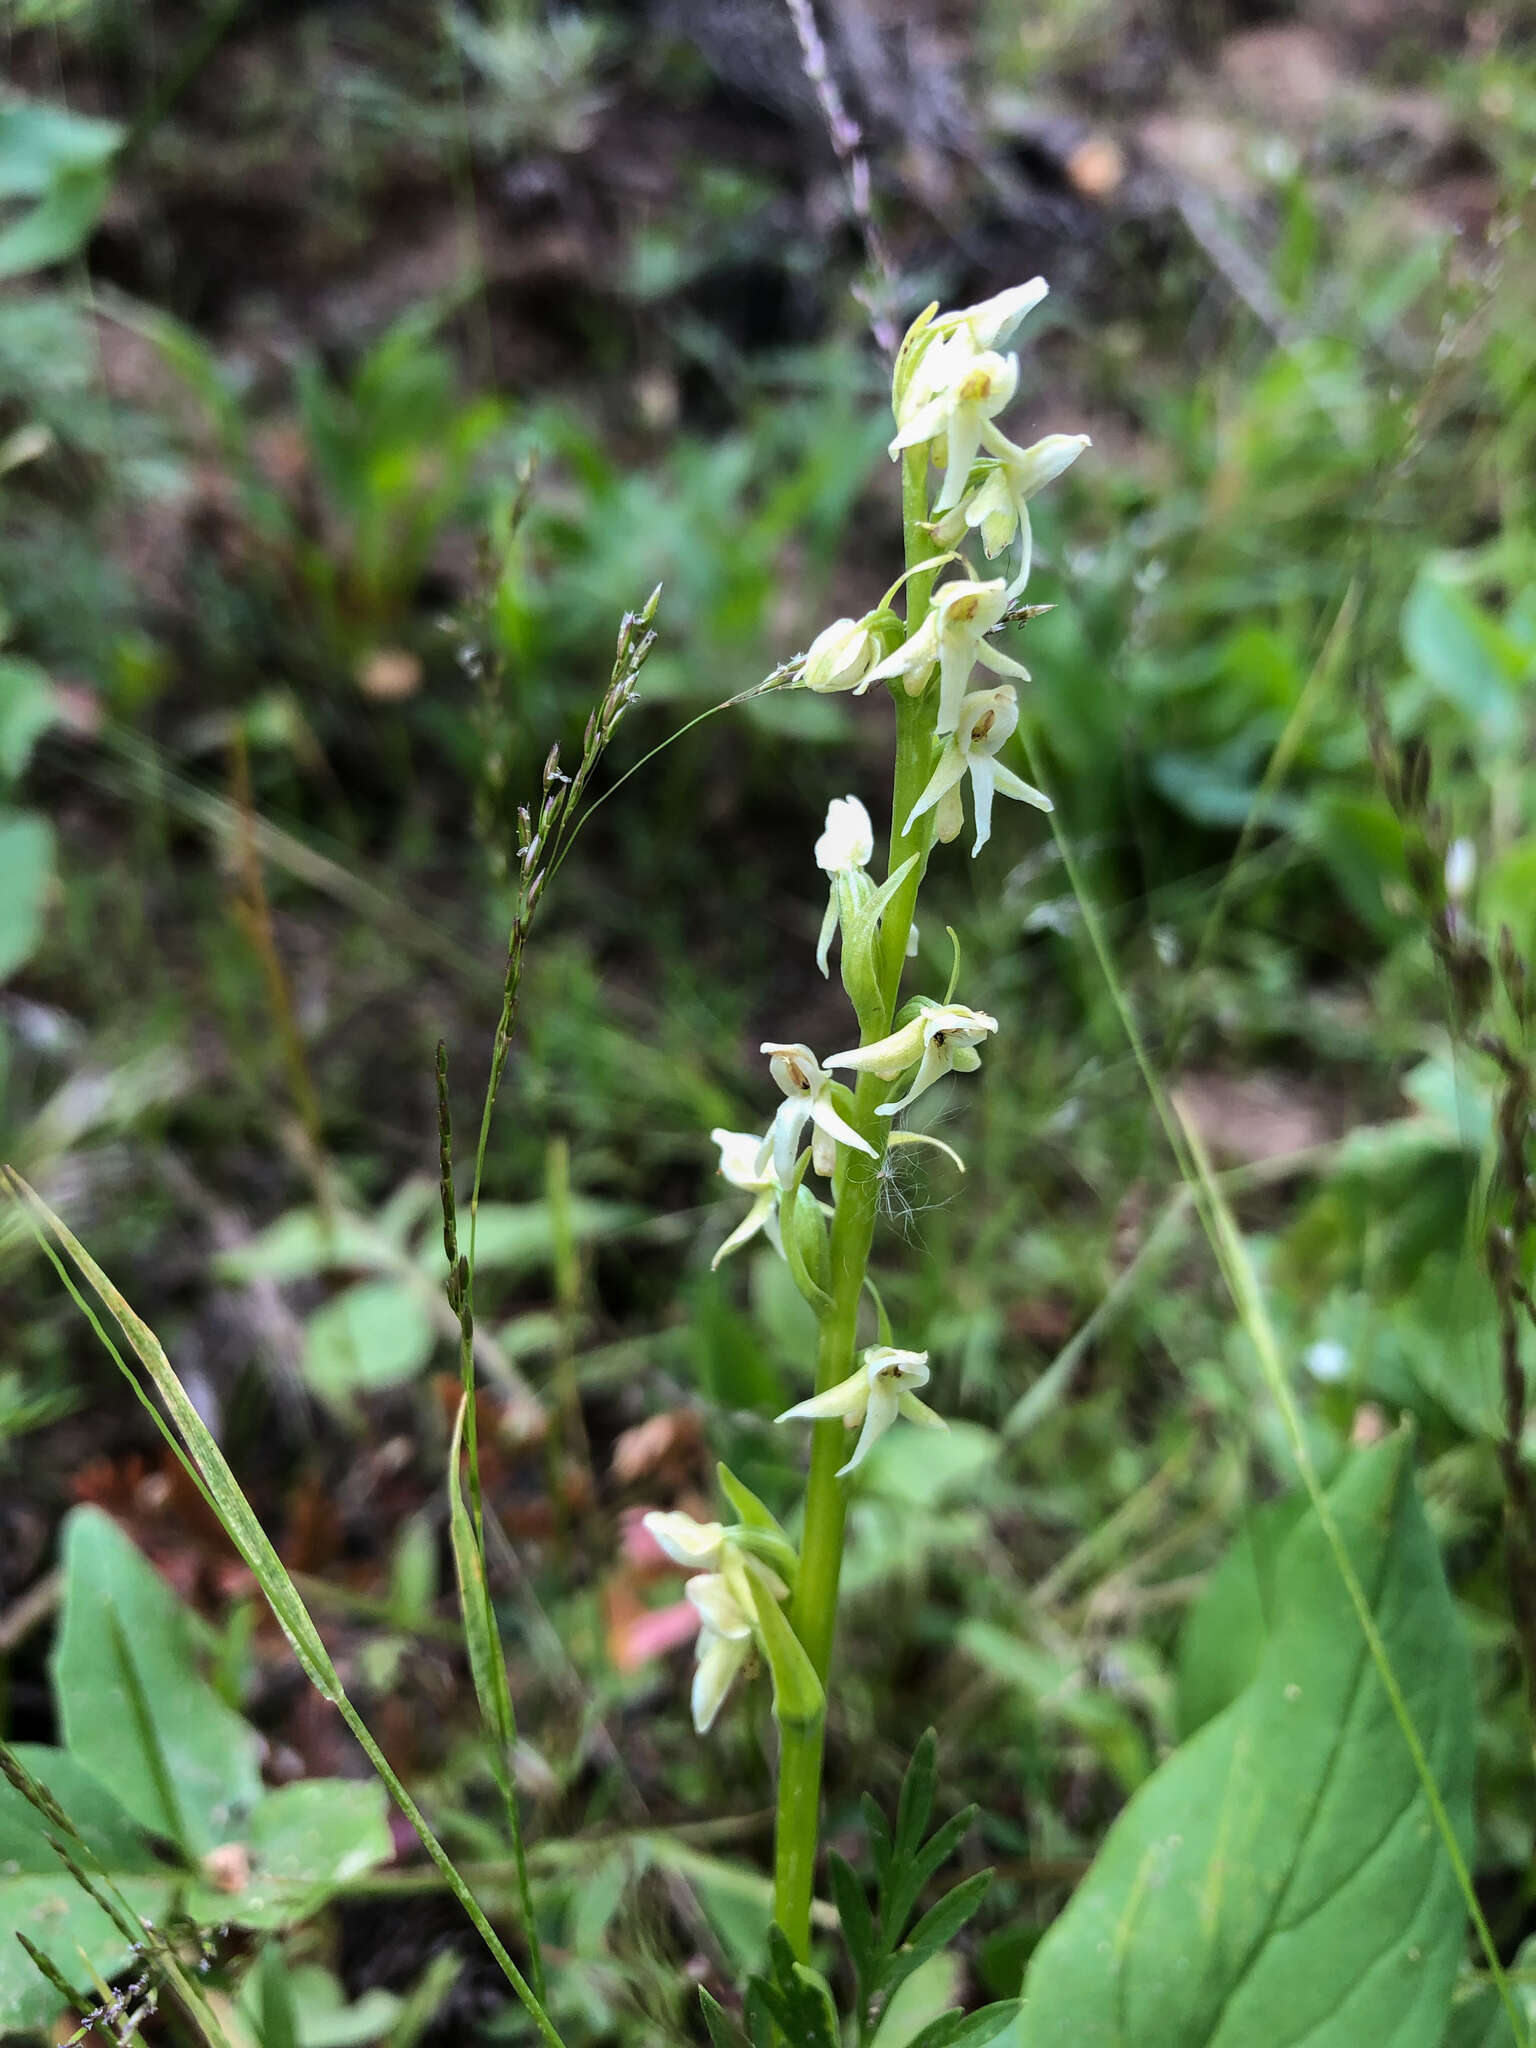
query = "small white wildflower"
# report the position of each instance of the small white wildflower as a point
(942, 1038)
(746, 1161)
(881, 1389)
(988, 718)
(997, 504)
(1460, 870)
(807, 1099)
(1327, 1361)
(953, 636)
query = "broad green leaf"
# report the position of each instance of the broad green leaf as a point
(322, 2018)
(38, 141)
(134, 1706)
(376, 1334)
(515, 1234)
(306, 1242)
(1285, 1860)
(1229, 1624)
(1464, 654)
(59, 224)
(303, 1841)
(28, 707)
(26, 869)
(39, 1898)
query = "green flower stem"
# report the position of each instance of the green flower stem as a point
(857, 1193)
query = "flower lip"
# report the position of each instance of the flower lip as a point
(794, 1066)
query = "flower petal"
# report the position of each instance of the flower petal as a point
(845, 1402)
(720, 1660)
(762, 1212)
(878, 1417)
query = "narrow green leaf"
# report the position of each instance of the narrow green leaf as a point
(798, 1700)
(723, 2030)
(969, 2030)
(1286, 1859)
(858, 1925)
(916, 1801)
(937, 1928)
(906, 1885)
(750, 1511)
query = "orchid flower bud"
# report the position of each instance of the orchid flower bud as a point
(843, 851)
(881, 1389)
(988, 718)
(841, 655)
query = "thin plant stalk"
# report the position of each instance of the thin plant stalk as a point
(856, 1193)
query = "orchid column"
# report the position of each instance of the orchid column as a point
(951, 382)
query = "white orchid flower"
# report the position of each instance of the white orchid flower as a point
(942, 1038)
(746, 1161)
(997, 504)
(875, 1395)
(955, 395)
(728, 1627)
(807, 1099)
(953, 635)
(845, 846)
(841, 655)
(988, 718)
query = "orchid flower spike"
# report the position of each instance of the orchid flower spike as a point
(954, 634)
(841, 655)
(807, 1098)
(988, 718)
(847, 845)
(942, 1038)
(997, 504)
(875, 1395)
(747, 1163)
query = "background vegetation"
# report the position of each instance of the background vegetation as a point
(359, 365)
